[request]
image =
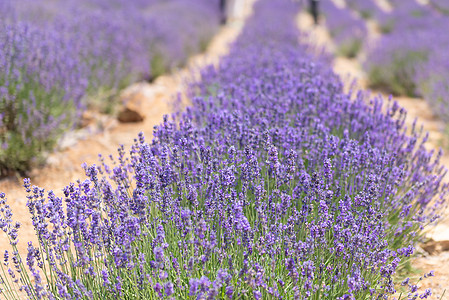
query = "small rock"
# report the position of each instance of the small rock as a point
(52, 160)
(420, 252)
(71, 138)
(87, 118)
(132, 110)
(434, 247)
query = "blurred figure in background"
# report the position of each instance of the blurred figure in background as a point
(314, 10)
(223, 11)
(231, 9)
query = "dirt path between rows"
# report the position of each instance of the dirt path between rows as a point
(64, 166)
(350, 70)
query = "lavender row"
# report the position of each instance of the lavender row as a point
(410, 58)
(56, 57)
(346, 29)
(273, 184)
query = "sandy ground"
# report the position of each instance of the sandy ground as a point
(350, 69)
(64, 166)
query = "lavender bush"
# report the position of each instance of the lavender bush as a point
(441, 5)
(432, 83)
(273, 184)
(56, 56)
(406, 15)
(347, 30)
(392, 63)
(366, 8)
(409, 60)
(40, 92)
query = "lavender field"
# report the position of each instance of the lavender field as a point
(274, 182)
(57, 55)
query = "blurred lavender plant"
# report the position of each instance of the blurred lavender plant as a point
(55, 56)
(273, 184)
(346, 29)
(366, 8)
(409, 60)
(41, 86)
(406, 15)
(433, 83)
(393, 62)
(441, 5)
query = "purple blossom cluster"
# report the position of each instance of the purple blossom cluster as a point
(410, 60)
(56, 55)
(346, 29)
(273, 184)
